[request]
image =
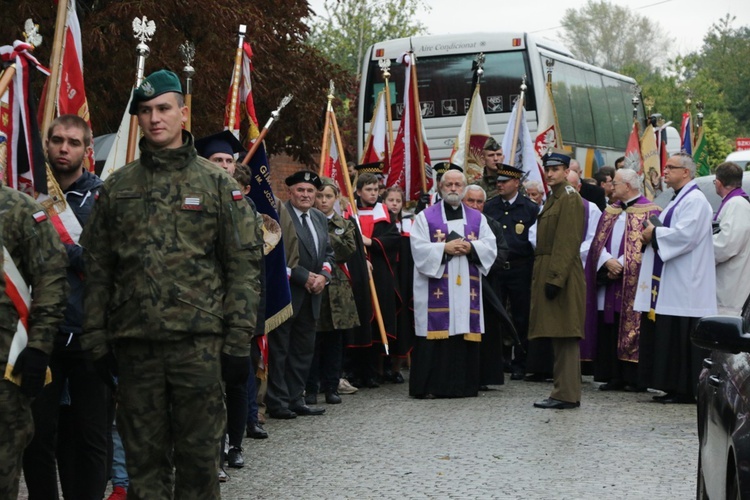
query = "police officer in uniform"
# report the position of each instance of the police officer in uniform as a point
(173, 254)
(35, 252)
(516, 213)
(558, 288)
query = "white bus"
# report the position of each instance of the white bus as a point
(593, 105)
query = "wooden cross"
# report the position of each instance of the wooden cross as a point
(437, 293)
(439, 236)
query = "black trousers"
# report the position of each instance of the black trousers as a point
(515, 288)
(236, 400)
(290, 352)
(325, 370)
(83, 463)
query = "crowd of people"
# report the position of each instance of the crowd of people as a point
(147, 300)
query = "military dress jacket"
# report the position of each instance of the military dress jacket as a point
(172, 250)
(338, 310)
(40, 258)
(558, 262)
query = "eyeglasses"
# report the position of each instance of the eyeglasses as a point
(672, 167)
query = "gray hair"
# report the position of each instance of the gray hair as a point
(532, 184)
(687, 162)
(631, 178)
(475, 187)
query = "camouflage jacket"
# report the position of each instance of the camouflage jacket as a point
(172, 249)
(35, 248)
(338, 310)
(489, 184)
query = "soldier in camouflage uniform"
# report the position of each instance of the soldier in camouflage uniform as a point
(37, 253)
(173, 254)
(493, 155)
(338, 312)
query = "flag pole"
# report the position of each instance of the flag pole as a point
(143, 30)
(236, 74)
(266, 127)
(5, 78)
(385, 67)
(517, 125)
(418, 114)
(326, 131)
(55, 65)
(353, 205)
(558, 133)
(187, 51)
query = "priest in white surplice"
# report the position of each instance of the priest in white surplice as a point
(731, 240)
(452, 247)
(676, 285)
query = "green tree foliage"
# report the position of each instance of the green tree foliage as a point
(348, 27)
(283, 62)
(612, 37)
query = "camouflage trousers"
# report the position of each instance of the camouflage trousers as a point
(171, 415)
(16, 431)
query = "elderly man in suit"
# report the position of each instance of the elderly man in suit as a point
(291, 345)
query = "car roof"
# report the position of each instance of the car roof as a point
(705, 184)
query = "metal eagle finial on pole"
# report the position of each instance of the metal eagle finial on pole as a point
(187, 52)
(143, 31)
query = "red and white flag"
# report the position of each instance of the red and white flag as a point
(378, 143)
(25, 165)
(633, 156)
(407, 161)
(474, 132)
(331, 160)
(118, 152)
(525, 155)
(245, 99)
(548, 131)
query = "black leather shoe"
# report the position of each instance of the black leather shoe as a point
(256, 431)
(535, 377)
(555, 404)
(283, 414)
(371, 383)
(677, 399)
(333, 398)
(517, 375)
(612, 386)
(234, 458)
(306, 411)
(311, 399)
(398, 378)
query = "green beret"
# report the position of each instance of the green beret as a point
(157, 83)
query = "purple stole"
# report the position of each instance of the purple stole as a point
(438, 302)
(620, 294)
(658, 263)
(734, 193)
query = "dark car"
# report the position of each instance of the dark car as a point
(724, 407)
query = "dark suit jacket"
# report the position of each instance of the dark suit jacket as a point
(310, 260)
(594, 194)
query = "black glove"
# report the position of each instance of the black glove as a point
(235, 369)
(106, 368)
(551, 291)
(424, 198)
(31, 364)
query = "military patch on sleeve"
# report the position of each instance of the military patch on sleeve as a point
(40, 216)
(237, 195)
(339, 231)
(570, 189)
(192, 202)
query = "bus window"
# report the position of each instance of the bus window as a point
(445, 84)
(600, 111)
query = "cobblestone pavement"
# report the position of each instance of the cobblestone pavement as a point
(381, 444)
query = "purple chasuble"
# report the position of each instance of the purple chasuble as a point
(438, 302)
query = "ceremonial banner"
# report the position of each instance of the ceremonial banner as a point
(377, 144)
(245, 97)
(119, 151)
(548, 130)
(651, 164)
(633, 156)
(474, 132)
(407, 161)
(278, 294)
(525, 156)
(686, 134)
(25, 169)
(331, 165)
(700, 156)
